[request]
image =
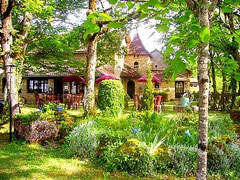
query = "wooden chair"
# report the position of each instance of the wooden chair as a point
(68, 100)
(57, 99)
(137, 102)
(157, 103)
(40, 100)
(76, 101)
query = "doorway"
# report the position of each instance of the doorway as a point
(179, 89)
(58, 86)
(131, 88)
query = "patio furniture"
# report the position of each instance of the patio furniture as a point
(105, 77)
(57, 99)
(73, 78)
(154, 79)
(40, 100)
(76, 101)
(68, 100)
(157, 103)
(137, 102)
(51, 98)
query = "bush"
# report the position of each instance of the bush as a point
(224, 160)
(148, 97)
(126, 99)
(111, 96)
(83, 140)
(131, 157)
(183, 160)
(49, 107)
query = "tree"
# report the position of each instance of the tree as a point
(148, 97)
(7, 53)
(97, 23)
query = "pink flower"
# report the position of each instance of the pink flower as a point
(134, 121)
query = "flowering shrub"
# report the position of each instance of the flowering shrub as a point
(131, 157)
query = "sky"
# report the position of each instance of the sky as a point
(149, 36)
(150, 41)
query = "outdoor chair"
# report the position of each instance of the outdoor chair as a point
(57, 99)
(68, 100)
(157, 103)
(137, 102)
(50, 98)
(76, 101)
(40, 100)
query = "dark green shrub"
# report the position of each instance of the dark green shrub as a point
(148, 97)
(111, 96)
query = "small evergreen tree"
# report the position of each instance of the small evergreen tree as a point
(148, 97)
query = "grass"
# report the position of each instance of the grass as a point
(19, 160)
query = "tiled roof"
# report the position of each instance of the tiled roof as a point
(106, 69)
(137, 47)
(157, 59)
(128, 71)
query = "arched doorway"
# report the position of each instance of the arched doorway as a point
(131, 88)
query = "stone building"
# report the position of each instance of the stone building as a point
(128, 69)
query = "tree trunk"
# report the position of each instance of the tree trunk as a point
(223, 94)
(91, 65)
(203, 79)
(234, 48)
(6, 43)
(214, 86)
(233, 87)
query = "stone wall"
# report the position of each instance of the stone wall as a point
(144, 62)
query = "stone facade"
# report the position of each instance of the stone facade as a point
(128, 68)
(144, 61)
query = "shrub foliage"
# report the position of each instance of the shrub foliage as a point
(148, 97)
(111, 96)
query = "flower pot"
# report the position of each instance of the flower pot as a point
(59, 109)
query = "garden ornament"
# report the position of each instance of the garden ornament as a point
(188, 133)
(185, 100)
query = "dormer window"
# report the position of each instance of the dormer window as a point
(136, 65)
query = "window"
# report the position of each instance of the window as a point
(136, 65)
(157, 85)
(156, 66)
(37, 85)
